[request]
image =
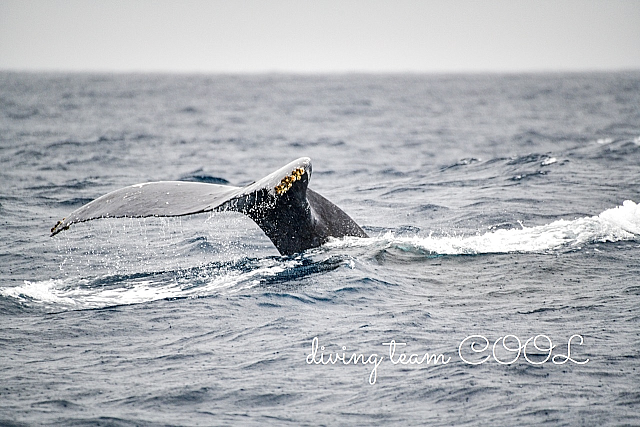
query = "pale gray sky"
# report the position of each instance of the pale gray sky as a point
(319, 36)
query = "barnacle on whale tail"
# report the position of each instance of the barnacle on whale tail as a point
(287, 181)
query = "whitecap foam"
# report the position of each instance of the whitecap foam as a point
(626, 217)
(70, 293)
(46, 291)
(548, 161)
(616, 224)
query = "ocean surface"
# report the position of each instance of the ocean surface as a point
(500, 284)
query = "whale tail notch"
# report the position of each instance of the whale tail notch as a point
(293, 216)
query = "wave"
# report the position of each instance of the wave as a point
(197, 282)
(621, 223)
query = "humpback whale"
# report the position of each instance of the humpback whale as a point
(293, 216)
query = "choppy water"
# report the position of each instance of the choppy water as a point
(497, 205)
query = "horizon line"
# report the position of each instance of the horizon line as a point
(595, 70)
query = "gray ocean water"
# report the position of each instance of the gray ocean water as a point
(500, 284)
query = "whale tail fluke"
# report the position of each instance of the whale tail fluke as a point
(294, 217)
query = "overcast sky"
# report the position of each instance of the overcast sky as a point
(319, 36)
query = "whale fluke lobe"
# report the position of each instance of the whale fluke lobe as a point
(293, 216)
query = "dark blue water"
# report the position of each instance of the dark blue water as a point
(502, 211)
